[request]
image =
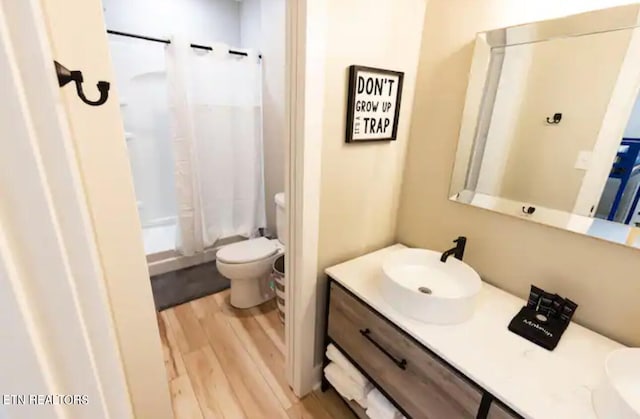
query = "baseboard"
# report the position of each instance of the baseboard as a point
(317, 376)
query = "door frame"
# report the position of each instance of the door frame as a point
(305, 77)
(74, 34)
(616, 118)
(103, 187)
(55, 306)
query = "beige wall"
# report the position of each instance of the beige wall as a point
(263, 28)
(273, 48)
(508, 252)
(574, 76)
(360, 183)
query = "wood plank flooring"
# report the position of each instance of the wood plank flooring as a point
(227, 363)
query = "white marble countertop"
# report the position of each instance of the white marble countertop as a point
(533, 381)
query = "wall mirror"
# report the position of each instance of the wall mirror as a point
(551, 124)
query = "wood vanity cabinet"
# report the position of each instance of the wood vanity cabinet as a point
(420, 384)
(498, 411)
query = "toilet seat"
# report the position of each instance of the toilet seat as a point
(247, 251)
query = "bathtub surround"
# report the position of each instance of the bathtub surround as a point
(507, 252)
(159, 239)
(141, 82)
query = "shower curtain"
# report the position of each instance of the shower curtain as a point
(216, 110)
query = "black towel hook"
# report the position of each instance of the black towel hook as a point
(65, 76)
(557, 117)
(528, 210)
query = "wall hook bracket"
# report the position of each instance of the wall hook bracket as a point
(65, 76)
(528, 210)
(557, 117)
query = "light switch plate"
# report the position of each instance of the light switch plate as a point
(584, 160)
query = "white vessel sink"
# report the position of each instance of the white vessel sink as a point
(618, 395)
(418, 285)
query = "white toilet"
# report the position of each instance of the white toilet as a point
(248, 264)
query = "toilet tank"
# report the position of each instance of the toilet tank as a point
(281, 218)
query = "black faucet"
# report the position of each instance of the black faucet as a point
(457, 252)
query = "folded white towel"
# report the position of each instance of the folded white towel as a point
(345, 386)
(336, 356)
(378, 407)
(374, 414)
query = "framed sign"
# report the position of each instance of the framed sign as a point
(373, 104)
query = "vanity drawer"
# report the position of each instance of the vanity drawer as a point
(417, 380)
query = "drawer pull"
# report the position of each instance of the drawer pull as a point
(402, 363)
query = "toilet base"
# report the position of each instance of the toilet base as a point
(246, 293)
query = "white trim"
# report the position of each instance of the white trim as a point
(612, 129)
(28, 370)
(306, 44)
(317, 372)
(467, 138)
(291, 41)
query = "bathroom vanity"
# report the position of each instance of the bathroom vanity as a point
(474, 369)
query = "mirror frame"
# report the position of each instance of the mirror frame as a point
(482, 87)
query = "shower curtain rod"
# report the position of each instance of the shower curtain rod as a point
(167, 41)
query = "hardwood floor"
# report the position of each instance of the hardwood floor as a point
(227, 363)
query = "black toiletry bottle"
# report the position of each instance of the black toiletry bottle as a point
(556, 307)
(534, 297)
(568, 310)
(546, 302)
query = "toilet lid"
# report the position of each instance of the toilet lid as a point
(247, 251)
